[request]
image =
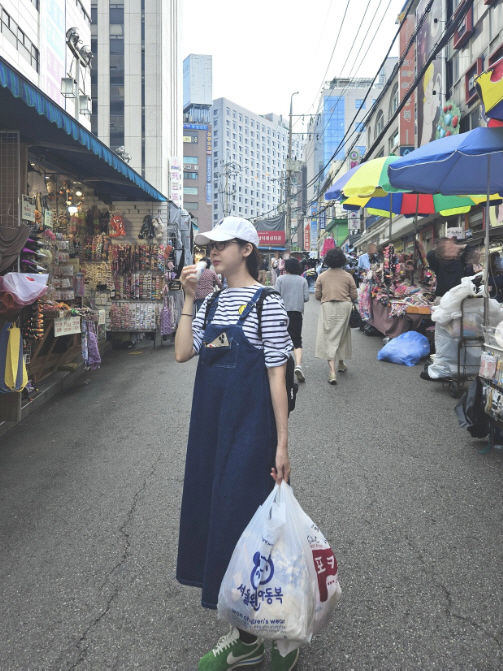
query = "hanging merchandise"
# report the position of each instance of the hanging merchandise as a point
(12, 240)
(117, 226)
(13, 376)
(90, 350)
(147, 230)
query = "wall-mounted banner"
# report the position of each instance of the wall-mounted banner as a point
(271, 238)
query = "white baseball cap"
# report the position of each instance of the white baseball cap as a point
(229, 228)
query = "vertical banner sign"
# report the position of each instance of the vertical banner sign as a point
(314, 227)
(176, 181)
(208, 166)
(307, 236)
(52, 48)
(323, 220)
(428, 105)
(406, 76)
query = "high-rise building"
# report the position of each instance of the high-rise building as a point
(344, 103)
(197, 139)
(36, 37)
(197, 82)
(137, 91)
(249, 157)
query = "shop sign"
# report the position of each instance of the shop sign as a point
(196, 126)
(28, 208)
(307, 236)
(271, 238)
(190, 139)
(101, 317)
(47, 219)
(428, 109)
(67, 326)
(406, 76)
(354, 222)
(455, 232)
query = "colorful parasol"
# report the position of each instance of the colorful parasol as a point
(489, 86)
(412, 204)
(367, 179)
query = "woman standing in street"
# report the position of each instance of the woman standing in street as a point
(294, 292)
(238, 438)
(206, 285)
(336, 289)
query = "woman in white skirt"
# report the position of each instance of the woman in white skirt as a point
(336, 289)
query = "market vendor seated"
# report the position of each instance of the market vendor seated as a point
(448, 265)
(370, 257)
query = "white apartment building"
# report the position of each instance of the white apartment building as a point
(249, 156)
(33, 39)
(137, 90)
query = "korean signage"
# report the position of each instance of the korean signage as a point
(428, 109)
(354, 222)
(66, 326)
(190, 139)
(175, 181)
(27, 208)
(271, 238)
(208, 167)
(307, 236)
(196, 126)
(323, 220)
(406, 78)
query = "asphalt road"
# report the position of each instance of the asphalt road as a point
(90, 490)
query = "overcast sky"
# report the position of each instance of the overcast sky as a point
(264, 50)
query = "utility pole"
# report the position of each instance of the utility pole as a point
(288, 225)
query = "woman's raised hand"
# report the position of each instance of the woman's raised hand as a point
(189, 280)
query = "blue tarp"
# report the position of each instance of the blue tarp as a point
(23, 90)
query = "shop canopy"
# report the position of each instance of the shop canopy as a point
(59, 139)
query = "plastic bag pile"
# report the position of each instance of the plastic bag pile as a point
(281, 582)
(407, 349)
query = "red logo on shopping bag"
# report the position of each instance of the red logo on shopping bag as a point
(325, 564)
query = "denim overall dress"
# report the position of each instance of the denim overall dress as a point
(230, 453)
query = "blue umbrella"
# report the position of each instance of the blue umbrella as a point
(470, 162)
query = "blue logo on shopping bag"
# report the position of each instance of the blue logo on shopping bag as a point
(263, 570)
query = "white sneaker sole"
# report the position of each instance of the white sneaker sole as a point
(299, 375)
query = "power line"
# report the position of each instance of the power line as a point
(350, 77)
(343, 141)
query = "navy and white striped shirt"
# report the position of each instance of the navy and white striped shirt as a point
(275, 342)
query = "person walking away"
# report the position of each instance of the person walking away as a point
(448, 265)
(206, 285)
(336, 289)
(238, 436)
(294, 292)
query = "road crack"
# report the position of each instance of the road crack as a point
(449, 605)
(82, 644)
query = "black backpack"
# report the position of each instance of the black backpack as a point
(291, 384)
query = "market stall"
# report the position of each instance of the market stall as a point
(390, 301)
(102, 244)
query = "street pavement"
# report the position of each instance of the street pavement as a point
(90, 490)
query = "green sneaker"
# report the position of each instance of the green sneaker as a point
(231, 653)
(279, 663)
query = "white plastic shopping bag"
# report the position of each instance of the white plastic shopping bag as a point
(281, 582)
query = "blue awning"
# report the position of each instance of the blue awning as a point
(60, 138)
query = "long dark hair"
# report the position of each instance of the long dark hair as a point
(253, 261)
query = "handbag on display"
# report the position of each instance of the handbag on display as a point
(355, 319)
